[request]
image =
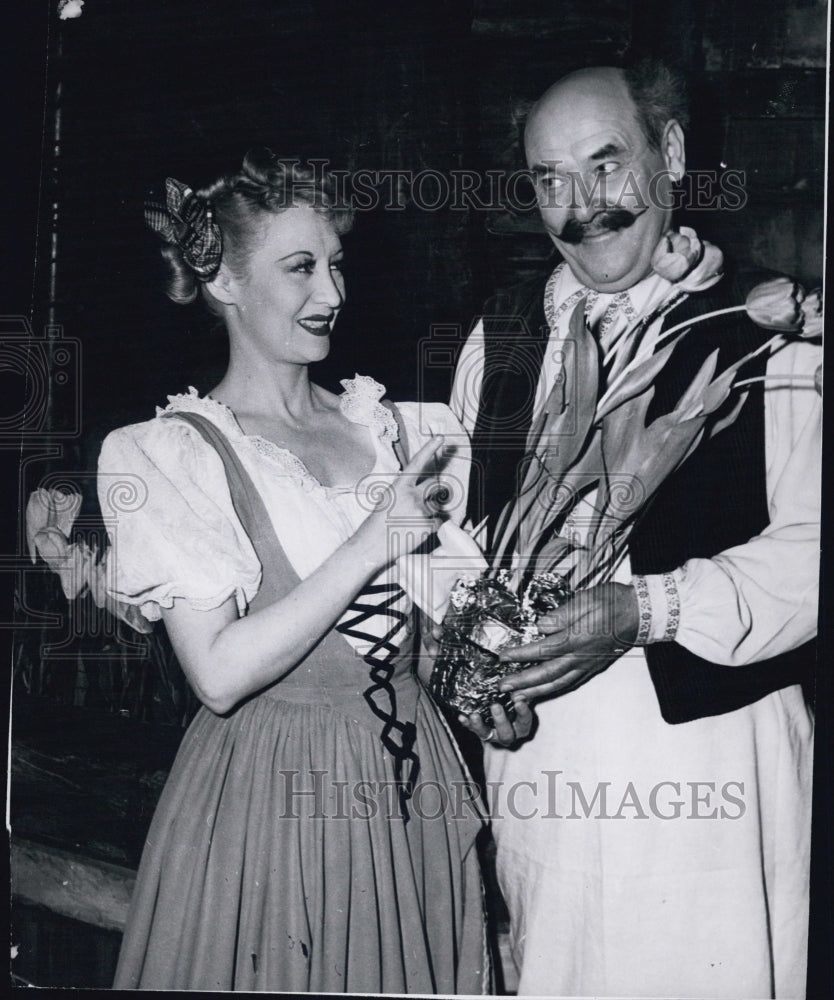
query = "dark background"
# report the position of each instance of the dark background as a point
(103, 107)
(145, 90)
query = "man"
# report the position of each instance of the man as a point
(654, 835)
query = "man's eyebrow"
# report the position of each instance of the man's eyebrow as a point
(545, 167)
(550, 166)
(609, 149)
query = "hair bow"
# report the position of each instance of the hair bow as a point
(187, 221)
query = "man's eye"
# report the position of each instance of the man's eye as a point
(551, 183)
(608, 167)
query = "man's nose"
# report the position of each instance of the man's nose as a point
(587, 200)
(583, 212)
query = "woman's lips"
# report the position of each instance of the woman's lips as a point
(319, 326)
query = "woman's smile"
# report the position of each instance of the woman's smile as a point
(319, 326)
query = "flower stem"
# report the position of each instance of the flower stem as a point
(791, 379)
(768, 343)
(698, 319)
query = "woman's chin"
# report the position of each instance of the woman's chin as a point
(317, 352)
(321, 348)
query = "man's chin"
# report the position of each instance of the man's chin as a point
(598, 263)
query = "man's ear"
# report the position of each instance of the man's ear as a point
(673, 148)
(222, 286)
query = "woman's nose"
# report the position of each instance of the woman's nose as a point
(330, 288)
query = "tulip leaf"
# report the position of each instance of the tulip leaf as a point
(725, 422)
(552, 552)
(568, 430)
(718, 392)
(636, 380)
(563, 493)
(691, 402)
(560, 438)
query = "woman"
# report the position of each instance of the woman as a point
(312, 835)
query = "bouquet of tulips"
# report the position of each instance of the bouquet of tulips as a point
(598, 450)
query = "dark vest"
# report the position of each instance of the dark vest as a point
(716, 500)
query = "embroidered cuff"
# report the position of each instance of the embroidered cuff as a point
(659, 608)
(644, 607)
(673, 607)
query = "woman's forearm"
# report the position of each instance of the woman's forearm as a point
(228, 658)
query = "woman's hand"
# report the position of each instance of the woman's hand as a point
(227, 658)
(503, 732)
(407, 507)
(430, 636)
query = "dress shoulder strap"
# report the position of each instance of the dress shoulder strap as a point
(278, 575)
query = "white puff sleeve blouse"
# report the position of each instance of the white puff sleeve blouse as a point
(172, 526)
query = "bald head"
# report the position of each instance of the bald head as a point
(584, 92)
(658, 94)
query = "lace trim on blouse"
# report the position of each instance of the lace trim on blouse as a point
(359, 403)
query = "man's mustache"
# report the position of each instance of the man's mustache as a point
(609, 220)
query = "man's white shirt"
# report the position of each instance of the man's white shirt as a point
(757, 599)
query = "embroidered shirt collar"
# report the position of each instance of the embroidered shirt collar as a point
(602, 310)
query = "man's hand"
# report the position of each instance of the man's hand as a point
(583, 637)
(503, 732)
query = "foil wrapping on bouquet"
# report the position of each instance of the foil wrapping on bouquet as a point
(485, 617)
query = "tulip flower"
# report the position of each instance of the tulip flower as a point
(811, 307)
(778, 304)
(708, 272)
(775, 305)
(50, 510)
(687, 262)
(50, 516)
(676, 254)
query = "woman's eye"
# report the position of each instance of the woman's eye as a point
(336, 265)
(305, 267)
